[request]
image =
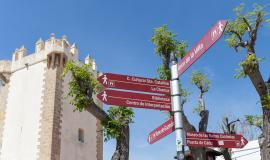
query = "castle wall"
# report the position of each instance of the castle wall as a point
(29, 60)
(71, 147)
(36, 120)
(23, 113)
(3, 103)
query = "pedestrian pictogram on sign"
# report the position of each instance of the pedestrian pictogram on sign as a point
(137, 100)
(126, 82)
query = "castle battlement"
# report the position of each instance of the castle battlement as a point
(55, 51)
(5, 66)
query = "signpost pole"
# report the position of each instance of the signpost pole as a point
(177, 110)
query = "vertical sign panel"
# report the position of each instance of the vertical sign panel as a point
(202, 46)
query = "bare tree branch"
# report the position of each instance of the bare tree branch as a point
(249, 26)
(254, 32)
(238, 35)
(240, 44)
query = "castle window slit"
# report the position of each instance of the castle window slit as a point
(81, 135)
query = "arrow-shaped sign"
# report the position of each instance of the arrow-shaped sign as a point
(137, 100)
(199, 139)
(206, 139)
(110, 80)
(162, 131)
(202, 46)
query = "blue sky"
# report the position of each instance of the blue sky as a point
(117, 34)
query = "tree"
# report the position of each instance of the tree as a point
(203, 84)
(166, 44)
(82, 88)
(228, 128)
(242, 33)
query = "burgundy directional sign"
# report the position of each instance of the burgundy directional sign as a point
(202, 46)
(206, 139)
(162, 131)
(137, 100)
(110, 80)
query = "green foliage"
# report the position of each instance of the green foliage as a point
(166, 44)
(233, 28)
(200, 80)
(203, 84)
(242, 33)
(240, 73)
(256, 120)
(119, 117)
(81, 87)
(251, 61)
(251, 16)
(183, 92)
(240, 28)
(266, 101)
(248, 65)
(164, 73)
(181, 49)
(82, 84)
(164, 40)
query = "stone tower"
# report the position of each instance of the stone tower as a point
(36, 120)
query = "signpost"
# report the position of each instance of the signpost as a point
(137, 100)
(199, 139)
(169, 103)
(206, 139)
(162, 131)
(202, 46)
(177, 69)
(110, 80)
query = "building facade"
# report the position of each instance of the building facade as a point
(37, 121)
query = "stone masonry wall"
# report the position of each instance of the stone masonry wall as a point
(4, 68)
(49, 147)
(3, 103)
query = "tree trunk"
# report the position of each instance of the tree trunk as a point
(204, 121)
(204, 114)
(261, 88)
(187, 126)
(256, 78)
(203, 128)
(201, 100)
(226, 153)
(166, 60)
(122, 145)
(197, 153)
(265, 139)
(97, 112)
